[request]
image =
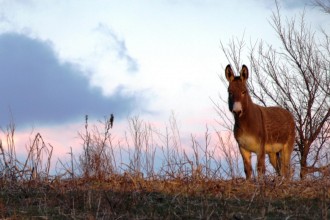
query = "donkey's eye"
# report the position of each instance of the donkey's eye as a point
(243, 92)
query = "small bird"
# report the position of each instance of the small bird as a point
(111, 120)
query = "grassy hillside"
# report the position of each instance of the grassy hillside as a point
(150, 175)
(128, 197)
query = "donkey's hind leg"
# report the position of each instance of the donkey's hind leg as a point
(285, 160)
(275, 162)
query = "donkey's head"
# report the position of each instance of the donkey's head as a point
(238, 98)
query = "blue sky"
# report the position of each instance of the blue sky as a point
(60, 60)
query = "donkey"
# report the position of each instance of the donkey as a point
(258, 129)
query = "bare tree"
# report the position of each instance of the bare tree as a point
(296, 77)
(323, 4)
(325, 7)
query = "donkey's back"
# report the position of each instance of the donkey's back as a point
(279, 129)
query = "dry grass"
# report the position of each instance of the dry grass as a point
(100, 184)
(123, 197)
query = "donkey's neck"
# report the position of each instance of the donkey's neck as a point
(250, 115)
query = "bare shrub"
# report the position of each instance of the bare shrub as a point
(98, 159)
(36, 166)
(141, 148)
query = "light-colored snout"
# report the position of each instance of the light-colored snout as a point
(237, 109)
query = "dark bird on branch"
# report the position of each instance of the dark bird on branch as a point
(111, 120)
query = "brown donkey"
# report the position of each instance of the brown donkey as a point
(261, 130)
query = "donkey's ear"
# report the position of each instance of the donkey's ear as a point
(229, 73)
(244, 74)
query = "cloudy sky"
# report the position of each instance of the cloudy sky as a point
(63, 59)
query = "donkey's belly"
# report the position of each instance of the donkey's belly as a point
(253, 144)
(274, 147)
(249, 143)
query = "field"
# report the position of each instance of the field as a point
(127, 197)
(195, 184)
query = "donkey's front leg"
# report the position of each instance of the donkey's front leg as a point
(246, 155)
(261, 162)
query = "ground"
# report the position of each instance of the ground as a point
(129, 197)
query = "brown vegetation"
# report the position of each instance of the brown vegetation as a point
(194, 185)
(134, 198)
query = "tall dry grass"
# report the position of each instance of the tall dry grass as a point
(148, 173)
(152, 153)
(35, 166)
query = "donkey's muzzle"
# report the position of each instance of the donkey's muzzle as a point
(237, 109)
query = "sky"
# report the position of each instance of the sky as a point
(61, 60)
